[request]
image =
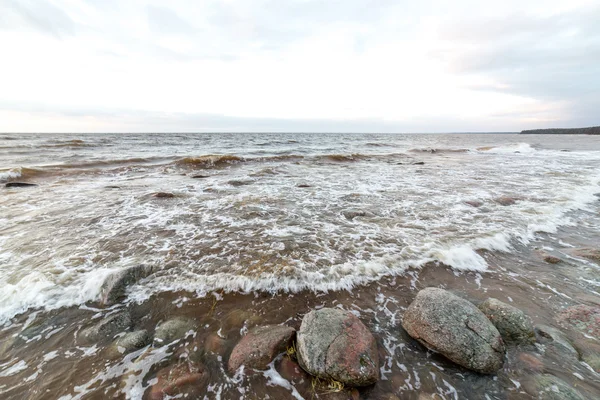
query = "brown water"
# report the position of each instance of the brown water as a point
(250, 244)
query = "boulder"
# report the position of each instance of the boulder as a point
(132, 341)
(108, 327)
(173, 329)
(549, 387)
(512, 323)
(335, 344)
(586, 319)
(455, 328)
(114, 286)
(260, 346)
(183, 380)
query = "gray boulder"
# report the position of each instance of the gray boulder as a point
(455, 328)
(512, 323)
(334, 344)
(260, 346)
(173, 329)
(108, 327)
(115, 285)
(132, 341)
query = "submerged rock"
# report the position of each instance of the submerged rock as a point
(115, 285)
(474, 203)
(586, 319)
(132, 341)
(334, 344)
(555, 341)
(184, 380)
(512, 323)
(163, 195)
(19, 184)
(455, 328)
(549, 387)
(506, 200)
(551, 259)
(351, 214)
(589, 253)
(173, 329)
(108, 327)
(260, 346)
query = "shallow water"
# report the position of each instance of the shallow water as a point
(276, 224)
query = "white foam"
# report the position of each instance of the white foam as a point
(10, 174)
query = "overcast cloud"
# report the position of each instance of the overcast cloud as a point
(298, 65)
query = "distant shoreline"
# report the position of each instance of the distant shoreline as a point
(594, 130)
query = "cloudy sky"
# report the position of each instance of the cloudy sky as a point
(298, 65)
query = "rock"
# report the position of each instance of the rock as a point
(108, 327)
(549, 387)
(344, 394)
(530, 362)
(260, 346)
(556, 341)
(173, 329)
(132, 341)
(586, 319)
(115, 285)
(184, 380)
(291, 370)
(163, 195)
(512, 323)
(19, 184)
(351, 214)
(593, 360)
(215, 344)
(200, 176)
(474, 203)
(240, 182)
(334, 344)
(551, 259)
(506, 200)
(590, 254)
(454, 327)
(303, 185)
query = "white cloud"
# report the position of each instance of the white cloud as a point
(281, 65)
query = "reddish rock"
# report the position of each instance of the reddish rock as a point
(551, 259)
(530, 362)
(474, 203)
(290, 370)
(585, 319)
(260, 346)
(590, 254)
(186, 379)
(215, 344)
(335, 344)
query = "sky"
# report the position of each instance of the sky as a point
(298, 65)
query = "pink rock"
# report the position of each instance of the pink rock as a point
(584, 318)
(186, 378)
(260, 346)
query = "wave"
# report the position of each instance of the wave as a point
(21, 173)
(438, 150)
(210, 160)
(508, 148)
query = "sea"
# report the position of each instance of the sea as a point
(244, 229)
